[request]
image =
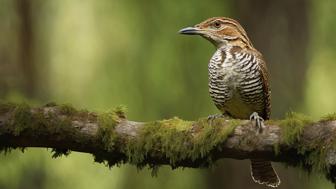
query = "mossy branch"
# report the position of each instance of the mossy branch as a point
(112, 139)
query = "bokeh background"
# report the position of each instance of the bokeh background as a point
(96, 54)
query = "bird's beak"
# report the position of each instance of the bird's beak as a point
(191, 31)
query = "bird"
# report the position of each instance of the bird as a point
(238, 81)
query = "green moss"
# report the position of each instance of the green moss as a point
(41, 122)
(172, 138)
(317, 160)
(67, 109)
(271, 122)
(107, 136)
(21, 119)
(329, 117)
(50, 104)
(175, 139)
(315, 153)
(107, 122)
(211, 136)
(166, 136)
(120, 111)
(38, 123)
(292, 127)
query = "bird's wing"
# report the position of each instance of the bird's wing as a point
(264, 76)
(265, 80)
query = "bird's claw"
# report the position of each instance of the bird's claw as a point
(259, 121)
(215, 116)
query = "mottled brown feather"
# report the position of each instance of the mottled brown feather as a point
(265, 81)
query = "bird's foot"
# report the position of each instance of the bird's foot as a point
(216, 116)
(259, 121)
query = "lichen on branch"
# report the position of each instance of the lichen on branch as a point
(112, 139)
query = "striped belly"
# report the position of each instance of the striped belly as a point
(229, 101)
(236, 93)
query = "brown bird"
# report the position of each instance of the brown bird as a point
(238, 81)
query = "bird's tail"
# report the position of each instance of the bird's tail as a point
(262, 172)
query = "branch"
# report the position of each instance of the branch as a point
(113, 139)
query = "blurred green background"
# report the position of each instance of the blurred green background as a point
(99, 54)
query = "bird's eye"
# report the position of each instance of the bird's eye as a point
(217, 24)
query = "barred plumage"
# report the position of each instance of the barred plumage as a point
(235, 83)
(238, 80)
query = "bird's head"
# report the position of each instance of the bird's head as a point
(220, 31)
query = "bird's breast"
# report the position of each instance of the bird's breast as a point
(223, 70)
(224, 80)
(229, 85)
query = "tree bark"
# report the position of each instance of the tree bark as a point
(113, 139)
